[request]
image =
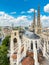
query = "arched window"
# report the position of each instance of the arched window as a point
(15, 40)
(36, 43)
(31, 45)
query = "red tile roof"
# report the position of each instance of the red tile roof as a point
(30, 54)
(28, 61)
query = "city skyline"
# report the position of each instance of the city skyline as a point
(21, 12)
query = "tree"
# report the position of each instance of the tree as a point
(4, 51)
(3, 55)
(6, 41)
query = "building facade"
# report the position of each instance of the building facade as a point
(29, 47)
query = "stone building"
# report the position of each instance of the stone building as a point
(36, 26)
(20, 50)
(30, 46)
(6, 31)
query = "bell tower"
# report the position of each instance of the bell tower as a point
(14, 45)
(39, 26)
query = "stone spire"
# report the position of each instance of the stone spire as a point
(33, 25)
(38, 22)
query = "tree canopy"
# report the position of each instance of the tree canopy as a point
(4, 51)
(3, 55)
(6, 41)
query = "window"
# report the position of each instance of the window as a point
(36, 43)
(15, 40)
(15, 33)
(31, 45)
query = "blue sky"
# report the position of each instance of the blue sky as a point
(22, 5)
(20, 8)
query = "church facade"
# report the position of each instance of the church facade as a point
(30, 47)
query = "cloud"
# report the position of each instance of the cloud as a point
(13, 13)
(31, 10)
(45, 20)
(23, 12)
(27, 20)
(46, 8)
(23, 20)
(7, 20)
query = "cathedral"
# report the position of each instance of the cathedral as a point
(36, 27)
(29, 47)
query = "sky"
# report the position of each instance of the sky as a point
(20, 12)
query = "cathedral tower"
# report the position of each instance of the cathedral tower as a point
(39, 27)
(33, 25)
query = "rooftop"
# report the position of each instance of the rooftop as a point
(31, 35)
(28, 61)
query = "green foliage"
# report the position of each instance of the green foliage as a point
(3, 55)
(4, 51)
(6, 41)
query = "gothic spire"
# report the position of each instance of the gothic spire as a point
(38, 18)
(34, 19)
(33, 23)
(38, 21)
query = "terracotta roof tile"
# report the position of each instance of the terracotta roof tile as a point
(30, 54)
(28, 61)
